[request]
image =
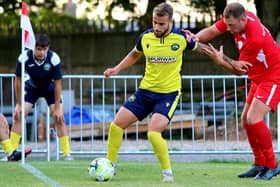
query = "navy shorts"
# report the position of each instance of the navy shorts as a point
(144, 102)
(32, 93)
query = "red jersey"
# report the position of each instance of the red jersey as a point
(256, 46)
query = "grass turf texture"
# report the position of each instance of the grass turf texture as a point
(136, 174)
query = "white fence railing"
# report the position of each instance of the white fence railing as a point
(207, 119)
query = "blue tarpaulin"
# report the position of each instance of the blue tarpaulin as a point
(79, 116)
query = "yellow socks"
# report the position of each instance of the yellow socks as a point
(7, 146)
(115, 139)
(64, 144)
(160, 148)
(15, 139)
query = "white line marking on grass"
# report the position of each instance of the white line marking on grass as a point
(37, 173)
(65, 167)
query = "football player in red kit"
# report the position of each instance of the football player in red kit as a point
(256, 46)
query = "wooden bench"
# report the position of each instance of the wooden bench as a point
(97, 130)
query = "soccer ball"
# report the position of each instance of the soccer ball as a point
(101, 169)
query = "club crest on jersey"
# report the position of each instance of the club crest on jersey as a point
(47, 67)
(131, 98)
(175, 47)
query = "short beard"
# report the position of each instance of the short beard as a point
(164, 33)
(161, 35)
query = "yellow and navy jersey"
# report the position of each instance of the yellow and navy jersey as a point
(164, 56)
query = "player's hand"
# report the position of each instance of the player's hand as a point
(58, 114)
(213, 53)
(190, 35)
(110, 71)
(241, 66)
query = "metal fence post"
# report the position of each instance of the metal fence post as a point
(48, 135)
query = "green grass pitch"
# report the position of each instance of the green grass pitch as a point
(129, 174)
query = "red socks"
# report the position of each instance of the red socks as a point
(260, 139)
(259, 159)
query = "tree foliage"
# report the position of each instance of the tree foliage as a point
(44, 12)
(14, 6)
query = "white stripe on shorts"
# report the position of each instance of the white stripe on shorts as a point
(271, 94)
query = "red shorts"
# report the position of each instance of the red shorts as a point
(267, 91)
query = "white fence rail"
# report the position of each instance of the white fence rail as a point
(207, 119)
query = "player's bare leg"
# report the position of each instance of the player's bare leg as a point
(62, 133)
(16, 130)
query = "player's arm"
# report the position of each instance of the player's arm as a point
(58, 113)
(57, 77)
(226, 63)
(233, 66)
(204, 35)
(18, 79)
(206, 49)
(208, 33)
(57, 92)
(21, 59)
(131, 58)
(218, 56)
